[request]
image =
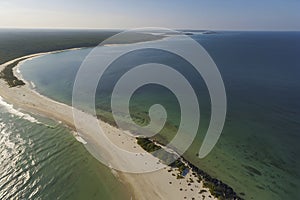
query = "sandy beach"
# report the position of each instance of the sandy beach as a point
(160, 184)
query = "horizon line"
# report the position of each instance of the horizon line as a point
(123, 29)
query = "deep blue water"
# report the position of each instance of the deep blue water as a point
(258, 153)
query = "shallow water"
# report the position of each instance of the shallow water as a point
(40, 159)
(258, 152)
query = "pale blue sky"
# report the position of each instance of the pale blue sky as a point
(180, 14)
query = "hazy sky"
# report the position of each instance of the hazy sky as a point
(191, 14)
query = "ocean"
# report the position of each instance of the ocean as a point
(258, 153)
(41, 159)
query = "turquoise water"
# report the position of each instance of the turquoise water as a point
(258, 152)
(42, 160)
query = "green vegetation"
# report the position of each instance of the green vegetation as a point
(160, 153)
(216, 187)
(9, 77)
(216, 191)
(18, 43)
(220, 190)
(147, 144)
(163, 155)
(180, 165)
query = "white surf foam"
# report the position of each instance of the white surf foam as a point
(79, 138)
(16, 112)
(32, 85)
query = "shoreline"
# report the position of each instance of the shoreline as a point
(160, 184)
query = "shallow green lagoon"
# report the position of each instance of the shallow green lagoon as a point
(258, 152)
